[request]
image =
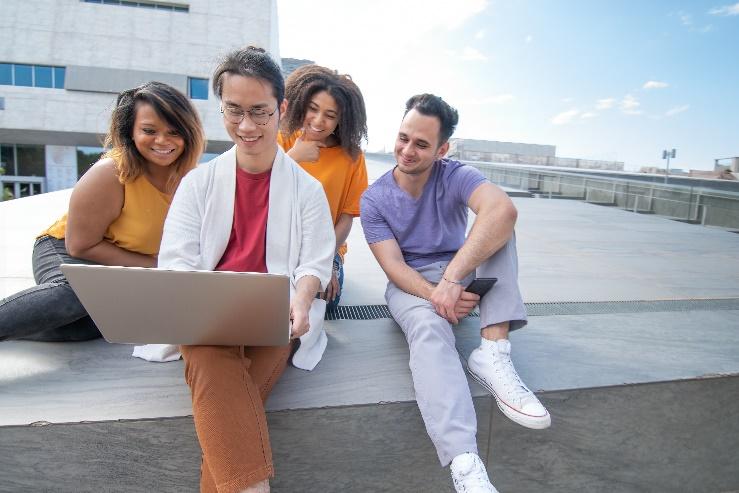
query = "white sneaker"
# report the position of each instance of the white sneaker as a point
(469, 475)
(491, 366)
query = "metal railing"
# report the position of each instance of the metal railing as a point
(693, 204)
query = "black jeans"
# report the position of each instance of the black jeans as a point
(49, 311)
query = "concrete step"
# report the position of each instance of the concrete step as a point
(670, 436)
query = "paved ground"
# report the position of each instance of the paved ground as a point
(569, 252)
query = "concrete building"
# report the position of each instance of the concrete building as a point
(62, 62)
(517, 153)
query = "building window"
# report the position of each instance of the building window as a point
(20, 74)
(86, 157)
(197, 88)
(23, 160)
(171, 7)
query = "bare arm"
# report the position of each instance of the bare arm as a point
(391, 260)
(305, 292)
(493, 227)
(342, 228)
(96, 202)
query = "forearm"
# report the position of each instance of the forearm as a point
(409, 280)
(305, 290)
(492, 229)
(342, 228)
(106, 253)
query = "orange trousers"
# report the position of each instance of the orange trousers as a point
(229, 385)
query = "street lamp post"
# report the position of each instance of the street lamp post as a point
(667, 155)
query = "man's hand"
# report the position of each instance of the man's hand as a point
(306, 150)
(445, 297)
(334, 289)
(466, 303)
(299, 316)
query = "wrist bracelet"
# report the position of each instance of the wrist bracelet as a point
(458, 283)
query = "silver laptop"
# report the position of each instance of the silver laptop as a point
(144, 306)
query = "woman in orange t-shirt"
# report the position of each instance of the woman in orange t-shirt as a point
(116, 211)
(322, 130)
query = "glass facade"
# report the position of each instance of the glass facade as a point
(197, 88)
(23, 159)
(144, 5)
(86, 157)
(21, 74)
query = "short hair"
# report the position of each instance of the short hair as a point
(308, 80)
(431, 105)
(254, 62)
(172, 107)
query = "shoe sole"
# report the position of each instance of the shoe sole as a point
(525, 420)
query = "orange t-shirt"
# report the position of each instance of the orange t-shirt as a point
(344, 179)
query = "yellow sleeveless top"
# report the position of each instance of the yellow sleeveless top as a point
(139, 226)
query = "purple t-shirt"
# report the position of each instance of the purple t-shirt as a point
(428, 229)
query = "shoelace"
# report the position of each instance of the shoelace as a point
(511, 380)
(475, 477)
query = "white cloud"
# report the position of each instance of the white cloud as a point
(653, 84)
(677, 109)
(480, 34)
(686, 19)
(470, 53)
(529, 38)
(588, 114)
(726, 10)
(630, 105)
(565, 117)
(604, 104)
(568, 100)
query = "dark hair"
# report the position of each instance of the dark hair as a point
(171, 106)
(250, 62)
(430, 105)
(308, 80)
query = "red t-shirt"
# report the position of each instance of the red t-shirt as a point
(246, 246)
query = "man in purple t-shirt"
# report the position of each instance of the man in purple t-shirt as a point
(414, 219)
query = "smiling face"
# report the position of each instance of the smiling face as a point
(256, 145)
(321, 117)
(417, 145)
(157, 142)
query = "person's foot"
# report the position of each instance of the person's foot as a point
(491, 366)
(469, 475)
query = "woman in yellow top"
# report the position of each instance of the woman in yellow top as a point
(322, 130)
(116, 211)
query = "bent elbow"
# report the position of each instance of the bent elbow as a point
(75, 248)
(511, 214)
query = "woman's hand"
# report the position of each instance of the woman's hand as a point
(334, 288)
(306, 150)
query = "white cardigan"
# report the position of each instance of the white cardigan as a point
(300, 235)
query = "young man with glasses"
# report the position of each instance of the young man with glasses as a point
(251, 209)
(414, 218)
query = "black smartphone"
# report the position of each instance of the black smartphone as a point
(481, 285)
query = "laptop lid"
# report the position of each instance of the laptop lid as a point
(143, 306)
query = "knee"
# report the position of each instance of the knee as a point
(202, 362)
(429, 331)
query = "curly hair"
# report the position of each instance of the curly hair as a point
(171, 106)
(308, 80)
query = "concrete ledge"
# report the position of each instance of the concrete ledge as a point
(671, 436)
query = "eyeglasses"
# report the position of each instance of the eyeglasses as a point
(237, 115)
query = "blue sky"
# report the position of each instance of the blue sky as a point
(617, 80)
